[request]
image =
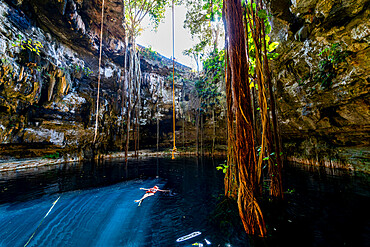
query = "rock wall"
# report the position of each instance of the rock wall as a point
(48, 80)
(322, 80)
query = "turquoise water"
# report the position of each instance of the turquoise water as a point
(322, 207)
(96, 205)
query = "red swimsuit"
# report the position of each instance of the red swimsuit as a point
(152, 190)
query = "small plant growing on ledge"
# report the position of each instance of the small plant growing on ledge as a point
(55, 155)
(29, 44)
(77, 69)
(149, 53)
(326, 71)
(85, 70)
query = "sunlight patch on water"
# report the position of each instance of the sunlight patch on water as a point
(104, 216)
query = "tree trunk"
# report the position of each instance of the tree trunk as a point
(214, 131)
(201, 134)
(249, 209)
(197, 131)
(128, 117)
(183, 131)
(276, 186)
(134, 130)
(138, 86)
(231, 176)
(157, 131)
(183, 115)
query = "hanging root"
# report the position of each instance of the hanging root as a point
(250, 212)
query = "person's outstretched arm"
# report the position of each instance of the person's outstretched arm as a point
(164, 190)
(144, 189)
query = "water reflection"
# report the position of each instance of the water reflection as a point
(322, 207)
(104, 193)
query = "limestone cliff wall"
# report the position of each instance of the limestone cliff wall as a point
(48, 79)
(322, 79)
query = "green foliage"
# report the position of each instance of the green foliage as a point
(136, 10)
(199, 15)
(223, 167)
(55, 155)
(4, 61)
(29, 44)
(169, 79)
(290, 191)
(331, 57)
(203, 19)
(196, 52)
(150, 54)
(266, 185)
(77, 68)
(215, 63)
(270, 46)
(207, 88)
(213, 9)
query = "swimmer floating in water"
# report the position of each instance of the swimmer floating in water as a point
(150, 192)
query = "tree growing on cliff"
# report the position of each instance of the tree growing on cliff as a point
(133, 14)
(203, 19)
(209, 87)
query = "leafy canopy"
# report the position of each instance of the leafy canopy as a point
(207, 86)
(203, 19)
(136, 10)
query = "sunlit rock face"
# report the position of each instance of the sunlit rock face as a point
(48, 87)
(322, 80)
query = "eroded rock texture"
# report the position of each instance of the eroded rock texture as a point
(48, 79)
(322, 79)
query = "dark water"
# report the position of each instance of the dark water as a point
(96, 206)
(326, 208)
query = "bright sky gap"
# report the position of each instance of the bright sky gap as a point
(161, 41)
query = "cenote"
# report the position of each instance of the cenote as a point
(322, 207)
(95, 97)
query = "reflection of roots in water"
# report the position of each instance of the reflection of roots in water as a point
(226, 218)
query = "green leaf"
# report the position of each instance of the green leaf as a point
(262, 14)
(272, 55)
(268, 27)
(273, 46)
(267, 38)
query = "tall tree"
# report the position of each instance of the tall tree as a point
(134, 13)
(248, 172)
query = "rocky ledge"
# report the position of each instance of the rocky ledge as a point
(322, 79)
